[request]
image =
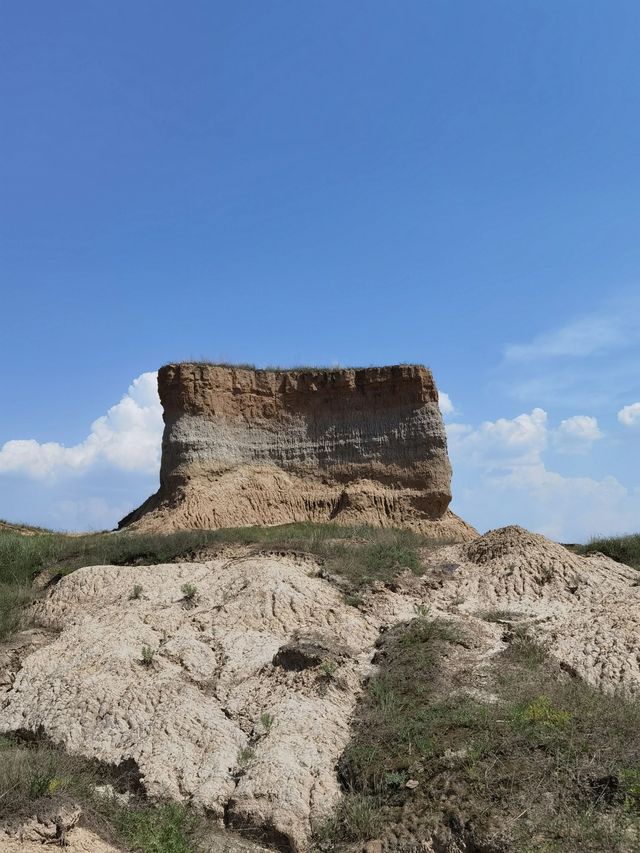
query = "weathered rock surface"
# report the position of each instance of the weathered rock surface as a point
(235, 711)
(584, 610)
(194, 718)
(244, 446)
(78, 840)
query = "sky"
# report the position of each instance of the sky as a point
(349, 183)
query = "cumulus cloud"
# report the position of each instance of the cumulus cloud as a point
(503, 442)
(446, 406)
(629, 416)
(127, 437)
(500, 477)
(577, 434)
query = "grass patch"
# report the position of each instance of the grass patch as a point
(32, 774)
(163, 829)
(552, 766)
(275, 368)
(358, 555)
(622, 549)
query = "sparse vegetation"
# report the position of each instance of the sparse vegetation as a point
(164, 829)
(552, 765)
(622, 549)
(356, 556)
(189, 592)
(278, 368)
(328, 668)
(359, 819)
(32, 772)
(245, 755)
(267, 720)
(147, 655)
(136, 592)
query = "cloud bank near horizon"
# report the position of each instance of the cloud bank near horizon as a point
(501, 477)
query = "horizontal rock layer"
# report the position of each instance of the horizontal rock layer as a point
(244, 446)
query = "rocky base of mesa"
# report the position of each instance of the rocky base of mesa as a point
(253, 495)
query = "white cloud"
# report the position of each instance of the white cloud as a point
(446, 406)
(570, 509)
(503, 442)
(500, 477)
(577, 434)
(128, 438)
(629, 415)
(590, 360)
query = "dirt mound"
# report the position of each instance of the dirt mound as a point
(248, 447)
(187, 682)
(517, 543)
(78, 840)
(585, 610)
(232, 683)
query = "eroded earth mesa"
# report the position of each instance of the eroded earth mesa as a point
(258, 447)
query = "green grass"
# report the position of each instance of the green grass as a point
(163, 829)
(357, 555)
(552, 766)
(622, 549)
(296, 368)
(32, 773)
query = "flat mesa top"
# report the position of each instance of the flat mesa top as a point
(201, 387)
(251, 368)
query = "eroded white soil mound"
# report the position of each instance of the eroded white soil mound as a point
(244, 704)
(585, 610)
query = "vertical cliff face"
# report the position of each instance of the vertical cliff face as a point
(244, 446)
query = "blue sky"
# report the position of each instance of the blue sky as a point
(453, 183)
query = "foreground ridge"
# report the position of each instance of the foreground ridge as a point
(232, 683)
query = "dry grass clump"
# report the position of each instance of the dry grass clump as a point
(294, 368)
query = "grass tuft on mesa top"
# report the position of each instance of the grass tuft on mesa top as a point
(295, 368)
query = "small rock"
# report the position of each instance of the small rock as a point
(411, 784)
(373, 847)
(110, 793)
